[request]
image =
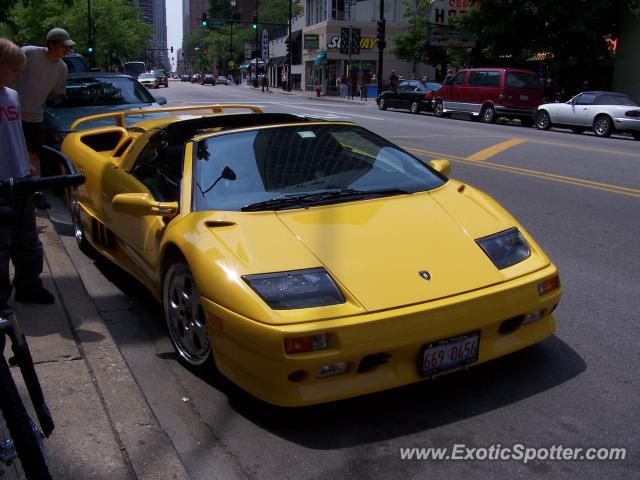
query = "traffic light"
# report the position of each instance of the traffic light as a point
(90, 50)
(254, 23)
(381, 34)
(288, 46)
(204, 20)
(172, 49)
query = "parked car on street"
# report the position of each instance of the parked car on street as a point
(149, 80)
(195, 78)
(413, 95)
(94, 93)
(185, 77)
(488, 93)
(261, 235)
(207, 79)
(602, 112)
(222, 80)
(76, 63)
(162, 77)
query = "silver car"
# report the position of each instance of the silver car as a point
(149, 80)
(602, 112)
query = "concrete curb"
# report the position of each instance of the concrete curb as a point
(147, 448)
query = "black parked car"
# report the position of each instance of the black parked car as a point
(207, 78)
(414, 95)
(162, 77)
(185, 77)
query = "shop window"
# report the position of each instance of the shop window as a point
(338, 11)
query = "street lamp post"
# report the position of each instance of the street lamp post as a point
(89, 39)
(290, 52)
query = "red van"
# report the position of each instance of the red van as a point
(488, 93)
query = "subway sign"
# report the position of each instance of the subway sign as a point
(365, 42)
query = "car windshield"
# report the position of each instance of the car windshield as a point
(303, 165)
(101, 91)
(431, 85)
(146, 75)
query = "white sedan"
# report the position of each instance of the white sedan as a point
(149, 80)
(603, 112)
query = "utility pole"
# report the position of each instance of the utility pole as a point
(290, 52)
(350, 70)
(257, 2)
(381, 44)
(89, 39)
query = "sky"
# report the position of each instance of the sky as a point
(174, 28)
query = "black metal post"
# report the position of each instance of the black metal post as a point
(381, 46)
(257, 44)
(290, 48)
(89, 39)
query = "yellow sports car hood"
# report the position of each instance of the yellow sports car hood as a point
(377, 249)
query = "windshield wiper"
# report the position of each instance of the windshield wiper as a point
(319, 198)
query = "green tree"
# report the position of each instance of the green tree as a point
(510, 31)
(117, 32)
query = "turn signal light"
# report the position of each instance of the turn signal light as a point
(309, 343)
(633, 113)
(548, 285)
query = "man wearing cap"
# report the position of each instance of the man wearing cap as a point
(44, 77)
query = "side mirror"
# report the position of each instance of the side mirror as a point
(441, 165)
(161, 100)
(141, 204)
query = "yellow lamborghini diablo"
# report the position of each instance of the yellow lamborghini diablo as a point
(309, 261)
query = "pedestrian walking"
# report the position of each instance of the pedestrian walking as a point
(339, 84)
(19, 242)
(44, 77)
(393, 80)
(448, 76)
(265, 82)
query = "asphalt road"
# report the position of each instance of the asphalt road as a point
(579, 196)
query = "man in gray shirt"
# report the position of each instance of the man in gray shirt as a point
(44, 77)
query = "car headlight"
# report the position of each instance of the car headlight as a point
(307, 288)
(505, 248)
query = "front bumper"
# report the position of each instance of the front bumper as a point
(252, 355)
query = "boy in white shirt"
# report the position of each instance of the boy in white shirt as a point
(19, 240)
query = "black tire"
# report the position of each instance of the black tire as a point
(78, 230)
(438, 109)
(636, 135)
(185, 317)
(603, 126)
(578, 130)
(26, 438)
(543, 120)
(382, 105)
(414, 107)
(488, 114)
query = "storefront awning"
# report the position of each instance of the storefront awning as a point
(320, 58)
(244, 66)
(278, 61)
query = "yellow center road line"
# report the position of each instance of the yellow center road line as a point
(606, 187)
(493, 150)
(585, 148)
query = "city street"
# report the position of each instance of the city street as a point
(576, 194)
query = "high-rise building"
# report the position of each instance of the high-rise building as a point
(192, 11)
(153, 12)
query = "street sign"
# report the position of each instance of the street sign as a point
(355, 40)
(448, 37)
(265, 44)
(247, 51)
(311, 41)
(216, 22)
(344, 41)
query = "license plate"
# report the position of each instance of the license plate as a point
(449, 353)
(524, 97)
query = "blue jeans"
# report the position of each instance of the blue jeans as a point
(19, 243)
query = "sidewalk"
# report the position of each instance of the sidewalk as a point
(104, 427)
(313, 95)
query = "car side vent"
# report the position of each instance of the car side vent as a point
(122, 148)
(102, 235)
(370, 362)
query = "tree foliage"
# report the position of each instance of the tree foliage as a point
(117, 32)
(210, 49)
(511, 31)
